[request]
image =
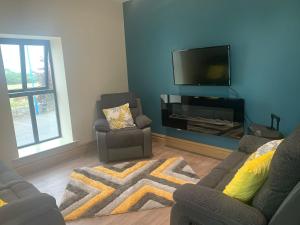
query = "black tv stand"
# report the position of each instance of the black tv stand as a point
(210, 115)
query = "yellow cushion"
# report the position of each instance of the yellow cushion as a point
(251, 176)
(119, 117)
(2, 203)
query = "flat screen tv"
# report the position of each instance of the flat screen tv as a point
(202, 66)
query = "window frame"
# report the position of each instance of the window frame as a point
(30, 92)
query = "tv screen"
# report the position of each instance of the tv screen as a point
(202, 66)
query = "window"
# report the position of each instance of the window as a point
(31, 87)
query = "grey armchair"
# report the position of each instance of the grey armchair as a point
(127, 143)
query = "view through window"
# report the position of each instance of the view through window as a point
(31, 88)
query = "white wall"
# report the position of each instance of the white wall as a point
(93, 42)
(7, 134)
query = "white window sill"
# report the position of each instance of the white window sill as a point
(45, 146)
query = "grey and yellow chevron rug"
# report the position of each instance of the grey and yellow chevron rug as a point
(124, 187)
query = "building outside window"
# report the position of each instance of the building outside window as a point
(31, 87)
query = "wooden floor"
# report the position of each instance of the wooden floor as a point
(54, 180)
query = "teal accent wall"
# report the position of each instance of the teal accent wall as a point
(265, 55)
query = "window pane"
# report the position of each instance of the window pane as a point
(22, 120)
(50, 73)
(12, 66)
(45, 110)
(35, 66)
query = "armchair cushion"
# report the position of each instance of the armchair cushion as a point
(142, 121)
(101, 125)
(213, 205)
(124, 138)
(116, 99)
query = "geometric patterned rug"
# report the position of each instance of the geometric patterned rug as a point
(124, 187)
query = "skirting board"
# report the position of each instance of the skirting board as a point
(191, 146)
(44, 160)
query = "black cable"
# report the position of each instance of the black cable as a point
(237, 95)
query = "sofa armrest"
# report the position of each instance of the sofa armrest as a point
(249, 143)
(23, 211)
(142, 121)
(212, 205)
(288, 212)
(101, 125)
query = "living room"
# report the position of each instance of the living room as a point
(149, 112)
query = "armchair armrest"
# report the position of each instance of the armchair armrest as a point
(249, 143)
(142, 121)
(101, 125)
(213, 207)
(30, 211)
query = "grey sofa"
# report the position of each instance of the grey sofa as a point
(26, 205)
(276, 203)
(127, 143)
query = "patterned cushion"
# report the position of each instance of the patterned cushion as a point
(270, 146)
(2, 203)
(119, 117)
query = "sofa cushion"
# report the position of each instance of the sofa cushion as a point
(8, 195)
(24, 189)
(213, 178)
(249, 143)
(227, 178)
(32, 210)
(233, 160)
(13, 186)
(232, 171)
(18, 191)
(221, 175)
(206, 206)
(284, 175)
(8, 176)
(124, 138)
(25, 204)
(2, 203)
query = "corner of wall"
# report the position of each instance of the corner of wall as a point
(8, 145)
